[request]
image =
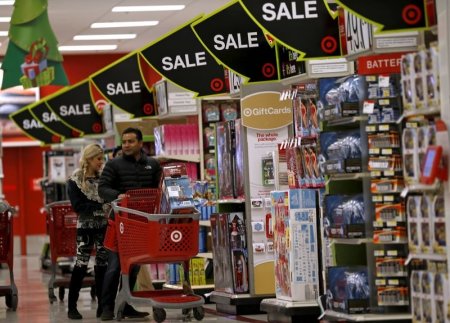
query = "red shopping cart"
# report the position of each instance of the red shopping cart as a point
(62, 229)
(147, 237)
(7, 256)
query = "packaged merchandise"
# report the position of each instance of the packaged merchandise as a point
(211, 111)
(224, 160)
(178, 195)
(348, 289)
(340, 152)
(345, 216)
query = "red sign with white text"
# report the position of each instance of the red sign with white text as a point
(380, 64)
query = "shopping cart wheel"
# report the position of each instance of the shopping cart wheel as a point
(199, 313)
(159, 314)
(61, 293)
(11, 301)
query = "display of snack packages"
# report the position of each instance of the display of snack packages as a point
(348, 289)
(177, 196)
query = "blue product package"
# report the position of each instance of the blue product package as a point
(202, 240)
(172, 274)
(344, 216)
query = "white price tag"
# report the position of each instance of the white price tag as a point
(368, 106)
(383, 81)
(174, 191)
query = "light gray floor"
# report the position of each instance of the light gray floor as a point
(34, 306)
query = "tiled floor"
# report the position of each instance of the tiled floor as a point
(34, 306)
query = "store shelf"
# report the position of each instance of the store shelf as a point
(230, 201)
(347, 176)
(420, 188)
(171, 286)
(186, 158)
(346, 120)
(350, 241)
(419, 112)
(204, 223)
(289, 310)
(208, 255)
(424, 256)
(295, 79)
(368, 317)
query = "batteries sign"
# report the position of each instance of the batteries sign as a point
(241, 46)
(308, 27)
(181, 58)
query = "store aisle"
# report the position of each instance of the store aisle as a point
(34, 306)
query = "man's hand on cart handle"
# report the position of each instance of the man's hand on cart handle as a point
(121, 196)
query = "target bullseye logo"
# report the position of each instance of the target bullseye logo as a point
(268, 70)
(329, 44)
(176, 236)
(411, 14)
(216, 85)
(121, 227)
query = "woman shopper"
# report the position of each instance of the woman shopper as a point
(91, 225)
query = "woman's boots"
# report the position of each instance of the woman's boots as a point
(76, 281)
(99, 275)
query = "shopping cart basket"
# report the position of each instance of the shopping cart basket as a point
(7, 254)
(145, 237)
(62, 229)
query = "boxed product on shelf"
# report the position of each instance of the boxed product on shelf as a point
(395, 234)
(413, 211)
(348, 289)
(177, 196)
(345, 216)
(386, 185)
(211, 111)
(438, 228)
(340, 152)
(295, 244)
(441, 297)
(390, 212)
(238, 159)
(427, 289)
(416, 296)
(176, 139)
(306, 114)
(432, 77)
(229, 110)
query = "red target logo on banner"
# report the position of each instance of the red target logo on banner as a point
(217, 85)
(329, 44)
(411, 14)
(97, 127)
(268, 70)
(148, 108)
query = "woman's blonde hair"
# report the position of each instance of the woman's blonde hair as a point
(89, 152)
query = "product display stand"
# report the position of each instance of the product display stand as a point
(287, 311)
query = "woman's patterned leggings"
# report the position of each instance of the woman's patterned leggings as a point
(91, 232)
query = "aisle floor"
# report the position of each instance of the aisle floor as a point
(34, 305)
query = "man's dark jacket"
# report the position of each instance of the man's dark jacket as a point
(125, 173)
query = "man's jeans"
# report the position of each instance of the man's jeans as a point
(112, 278)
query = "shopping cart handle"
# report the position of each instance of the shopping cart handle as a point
(154, 217)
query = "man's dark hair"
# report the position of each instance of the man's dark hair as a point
(116, 150)
(136, 131)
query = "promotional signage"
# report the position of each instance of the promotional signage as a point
(265, 110)
(182, 59)
(75, 108)
(50, 120)
(305, 26)
(388, 14)
(123, 84)
(33, 128)
(356, 33)
(241, 46)
(380, 64)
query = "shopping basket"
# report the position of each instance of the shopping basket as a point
(7, 255)
(62, 230)
(145, 237)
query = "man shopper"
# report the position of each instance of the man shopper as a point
(132, 170)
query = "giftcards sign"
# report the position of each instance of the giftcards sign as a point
(241, 45)
(182, 59)
(389, 15)
(124, 85)
(75, 108)
(33, 128)
(266, 110)
(305, 26)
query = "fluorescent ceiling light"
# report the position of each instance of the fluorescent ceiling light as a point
(86, 47)
(103, 37)
(124, 24)
(5, 19)
(6, 2)
(147, 8)
(3, 33)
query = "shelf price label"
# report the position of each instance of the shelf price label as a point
(358, 34)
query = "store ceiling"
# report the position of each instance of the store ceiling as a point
(69, 18)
